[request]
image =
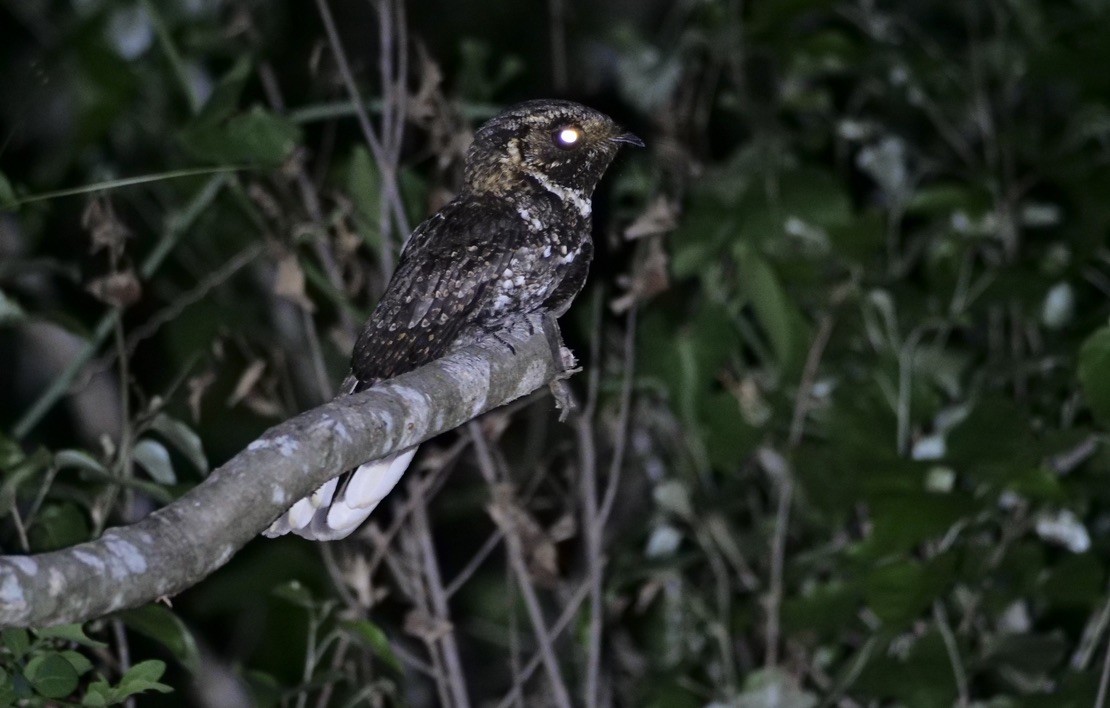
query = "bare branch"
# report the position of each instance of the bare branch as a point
(176, 546)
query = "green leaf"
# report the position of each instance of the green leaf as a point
(1029, 654)
(920, 677)
(899, 591)
(1076, 582)
(264, 688)
(155, 459)
(51, 675)
(903, 520)
(828, 608)
(19, 472)
(184, 439)
(814, 196)
(1094, 373)
(139, 678)
(225, 96)
(17, 641)
(143, 677)
(296, 593)
(729, 439)
(364, 185)
(78, 661)
(71, 633)
(11, 453)
(255, 137)
(372, 635)
(98, 694)
(166, 628)
(78, 459)
(944, 198)
(772, 308)
(7, 194)
(7, 689)
(58, 526)
(10, 311)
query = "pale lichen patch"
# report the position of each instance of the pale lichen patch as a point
(55, 583)
(27, 565)
(89, 559)
(341, 431)
(127, 553)
(475, 371)
(286, 445)
(11, 592)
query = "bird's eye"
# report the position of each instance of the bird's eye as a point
(567, 137)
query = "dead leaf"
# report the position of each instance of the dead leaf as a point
(660, 217)
(289, 282)
(423, 105)
(105, 228)
(266, 202)
(540, 553)
(564, 529)
(120, 289)
(247, 381)
(197, 386)
(648, 592)
(423, 626)
(263, 406)
(648, 278)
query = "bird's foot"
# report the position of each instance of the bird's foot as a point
(566, 365)
(564, 398)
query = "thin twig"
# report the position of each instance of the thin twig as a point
(941, 618)
(560, 625)
(1104, 680)
(474, 563)
(169, 313)
(177, 224)
(591, 523)
(123, 651)
(628, 368)
(515, 550)
(389, 180)
(809, 374)
(786, 490)
(591, 531)
(413, 554)
(434, 583)
(309, 198)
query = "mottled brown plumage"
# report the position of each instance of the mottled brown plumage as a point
(515, 241)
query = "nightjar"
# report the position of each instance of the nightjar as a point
(515, 241)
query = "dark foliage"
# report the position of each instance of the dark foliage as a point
(847, 362)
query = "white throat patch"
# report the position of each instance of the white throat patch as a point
(574, 196)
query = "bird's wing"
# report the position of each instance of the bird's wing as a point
(442, 285)
(447, 275)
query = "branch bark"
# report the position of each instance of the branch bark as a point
(178, 545)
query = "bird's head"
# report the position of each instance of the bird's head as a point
(561, 146)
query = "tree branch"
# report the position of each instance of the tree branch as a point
(178, 545)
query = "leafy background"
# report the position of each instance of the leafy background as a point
(846, 349)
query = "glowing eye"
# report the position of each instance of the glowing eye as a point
(567, 137)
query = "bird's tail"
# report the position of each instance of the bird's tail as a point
(339, 506)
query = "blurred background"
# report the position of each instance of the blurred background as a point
(847, 363)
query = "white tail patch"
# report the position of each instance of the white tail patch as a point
(329, 515)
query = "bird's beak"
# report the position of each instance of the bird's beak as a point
(627, 138)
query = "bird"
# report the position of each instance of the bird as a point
(514, 242)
